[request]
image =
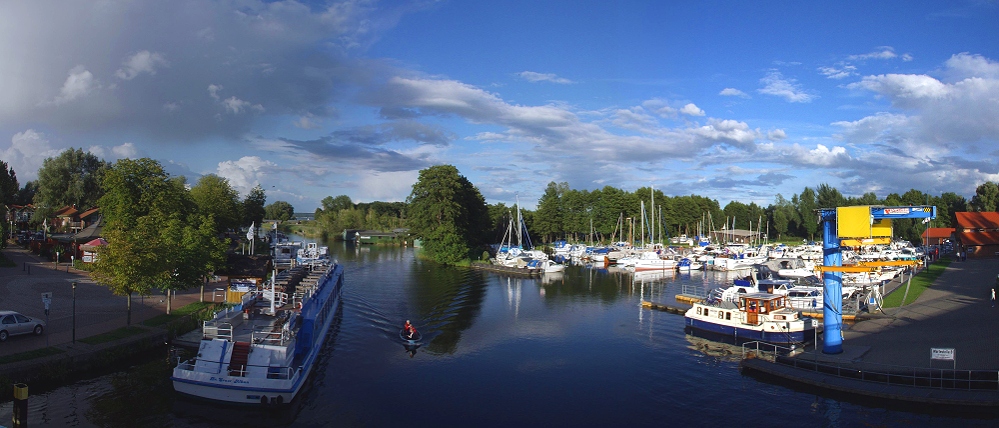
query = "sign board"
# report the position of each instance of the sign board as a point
(946, 354)
(47, 295)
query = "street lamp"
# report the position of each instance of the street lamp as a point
(74, 312)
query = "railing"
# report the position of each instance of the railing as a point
(215, 329)
(888, 374)
(265, 335)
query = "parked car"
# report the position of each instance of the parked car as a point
(13, 324)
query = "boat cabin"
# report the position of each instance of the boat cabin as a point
(757, 304)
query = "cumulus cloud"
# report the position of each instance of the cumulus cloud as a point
(691, 110)
(777, 85)
(122, 151)
(246, 172)
(28, 150)
(732, 92)
(79, 83)
(532, 76)
(142, 62)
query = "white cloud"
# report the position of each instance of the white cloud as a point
(532, 76)
(246, 172)
(121, 151)
(732, 92)
(965, 65)
(307, 122)
(27, 151)
(142, 62)
(838, 73)
(692, 110)
(775, 84)
(236, 106)
(79, 83)
(660, 108)
(387, 186)
(213, 91)
(883, 52)
(903, 86)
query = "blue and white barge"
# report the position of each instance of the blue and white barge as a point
(263, 352)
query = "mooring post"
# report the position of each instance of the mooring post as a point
(20, 419)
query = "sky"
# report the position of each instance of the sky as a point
(735, 101)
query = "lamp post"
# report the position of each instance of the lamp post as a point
(74, 312)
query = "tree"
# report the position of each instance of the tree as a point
(156, 238)
(27, 193)
(828, 197)
(216, 198)
(279, 210)
(551, 214)
(986, 197)
(806, 205)
(448, 213)
(253, 206)
(337, 204)
(72, 178)
(8, 184)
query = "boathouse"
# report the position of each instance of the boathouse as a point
(978, 233)
(937, 235)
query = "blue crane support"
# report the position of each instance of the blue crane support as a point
(832, 310)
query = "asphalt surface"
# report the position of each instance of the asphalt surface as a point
(97, 310)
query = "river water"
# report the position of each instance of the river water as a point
(569, 350)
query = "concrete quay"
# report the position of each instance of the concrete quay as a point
(955, 312)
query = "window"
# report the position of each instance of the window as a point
(728, 315)
(9, 319)
(21, 318)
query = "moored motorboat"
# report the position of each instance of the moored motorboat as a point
(253, 355)
(755, 316)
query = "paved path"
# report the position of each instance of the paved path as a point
(97, 309)
(955, 312)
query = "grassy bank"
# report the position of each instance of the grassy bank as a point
(307, 228)
(920, 283)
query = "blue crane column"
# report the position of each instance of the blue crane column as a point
(832, 309)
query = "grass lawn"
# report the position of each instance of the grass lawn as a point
(111, 336)
(920, 283)
(177, 314)
(30, 355)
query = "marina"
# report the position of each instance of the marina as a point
(492, 341)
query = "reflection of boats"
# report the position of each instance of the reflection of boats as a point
(247, 356)
(721, 350)
(755, 316)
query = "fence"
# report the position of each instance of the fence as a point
(888, 374)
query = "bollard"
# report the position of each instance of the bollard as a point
(20, 419)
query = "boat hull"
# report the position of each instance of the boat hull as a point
(748, 333)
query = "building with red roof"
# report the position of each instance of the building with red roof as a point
(978, 233)
(937, 235)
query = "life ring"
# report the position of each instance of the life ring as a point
(298, 305)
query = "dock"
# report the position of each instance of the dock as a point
(509, 270)
(892, 357)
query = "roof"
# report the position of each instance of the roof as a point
(977, 220)
(89, 213)
(95, 230)
(66, 211)
(938, 232)
(979, 238)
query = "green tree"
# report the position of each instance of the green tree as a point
(337, 204)
(156, 238)
(217, 199)
(986, 197)
(551, 214)
(279, 210)
(806, 205)
(72, 178)
(828, 197)
(253, 206)
(448, 213)
(8, 184)
(27, 193)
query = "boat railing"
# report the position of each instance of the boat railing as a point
(267, 335)
(888, 374)
(220, 329)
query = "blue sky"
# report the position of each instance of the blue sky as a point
(724, 99)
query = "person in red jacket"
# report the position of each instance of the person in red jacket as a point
(409, 330)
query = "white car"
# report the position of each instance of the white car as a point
(13, 323)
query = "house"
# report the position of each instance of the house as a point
(937, 235)
(977, 233)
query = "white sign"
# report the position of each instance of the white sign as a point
(946, 354)
(896, 210)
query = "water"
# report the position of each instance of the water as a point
(572, 350)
